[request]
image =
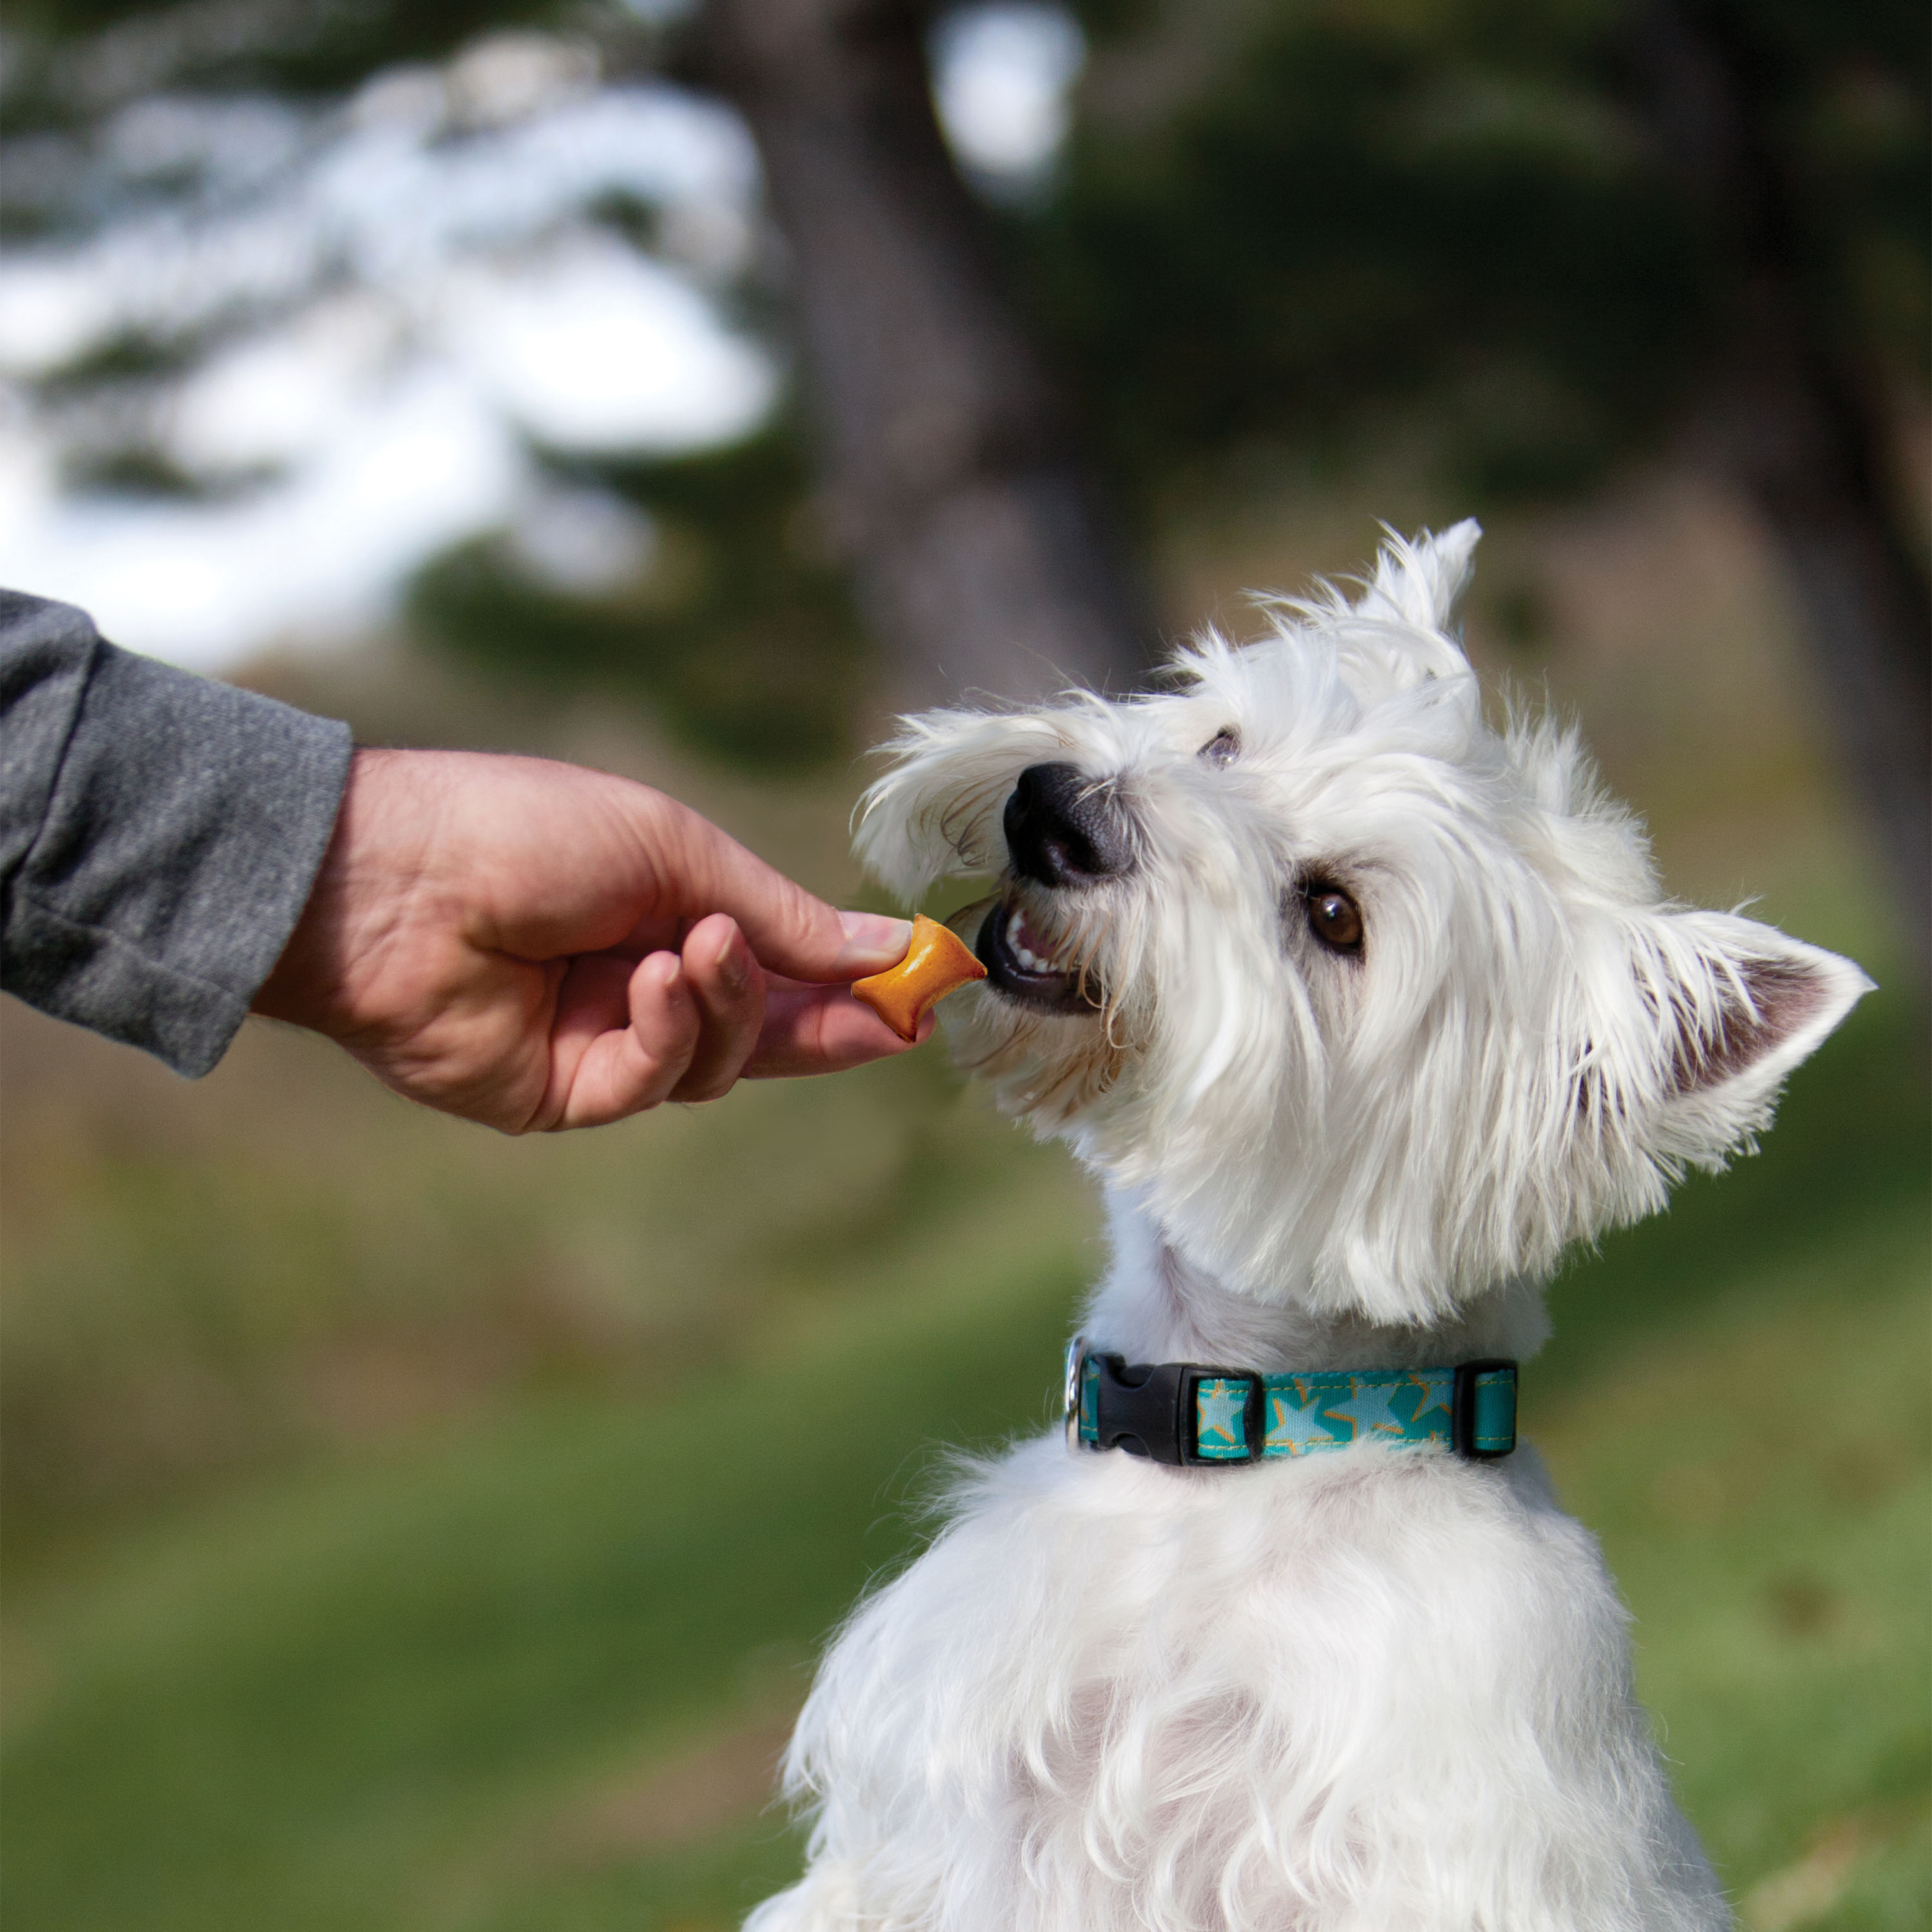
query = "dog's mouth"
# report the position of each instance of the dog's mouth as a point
(1027, 962)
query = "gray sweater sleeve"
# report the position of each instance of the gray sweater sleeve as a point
(159, 834)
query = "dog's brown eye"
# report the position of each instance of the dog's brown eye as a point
(1336, 918)
(1223, 748)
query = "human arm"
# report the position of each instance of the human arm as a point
(463, 924)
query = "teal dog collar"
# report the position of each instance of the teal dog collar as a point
(1180, 1412)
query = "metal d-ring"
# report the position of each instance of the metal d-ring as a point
(1076, 1363)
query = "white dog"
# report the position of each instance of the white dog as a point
(1362, 1013)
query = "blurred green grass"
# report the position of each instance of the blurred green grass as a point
(317, 1702)
(412, 1685)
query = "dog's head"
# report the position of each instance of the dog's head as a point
(1368, 1003)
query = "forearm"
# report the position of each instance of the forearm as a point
(159, 834)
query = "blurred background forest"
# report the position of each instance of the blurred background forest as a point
(680, 388)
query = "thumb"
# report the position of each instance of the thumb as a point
(790, 931)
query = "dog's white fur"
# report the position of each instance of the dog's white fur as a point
(1373, 1689)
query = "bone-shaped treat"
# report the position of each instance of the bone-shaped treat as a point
(937, 961)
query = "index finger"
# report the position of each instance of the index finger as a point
(701, 870)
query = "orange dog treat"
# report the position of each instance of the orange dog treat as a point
(937, 961)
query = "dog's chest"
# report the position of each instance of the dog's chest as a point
(1107, 1618)
(1115, 1694)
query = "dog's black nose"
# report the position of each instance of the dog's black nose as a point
(1062, 830)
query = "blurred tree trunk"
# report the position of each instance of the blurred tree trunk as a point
(983, 559)
(1806, 441)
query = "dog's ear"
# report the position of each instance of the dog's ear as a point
(1395, 637)
(937, 810)
(1729, 1007)
(1417, 582)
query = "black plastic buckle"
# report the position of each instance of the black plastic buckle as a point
(1150, 1409)
(1463, 1411)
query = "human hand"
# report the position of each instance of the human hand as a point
(536, 946)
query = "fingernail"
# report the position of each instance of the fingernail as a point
(734, 964)
(873, 942)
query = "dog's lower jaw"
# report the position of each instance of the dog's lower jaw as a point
(1035, 985)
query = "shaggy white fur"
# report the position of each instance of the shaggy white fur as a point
(1374, 1690)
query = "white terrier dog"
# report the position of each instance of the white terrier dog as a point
(1362, 1013)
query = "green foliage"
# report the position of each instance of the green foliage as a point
(294, 47)
(741, 637)
(1438, 229)
(1347, 221)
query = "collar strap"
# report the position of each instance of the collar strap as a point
(1181, 1412)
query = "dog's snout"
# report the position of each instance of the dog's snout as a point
(1062, 830)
